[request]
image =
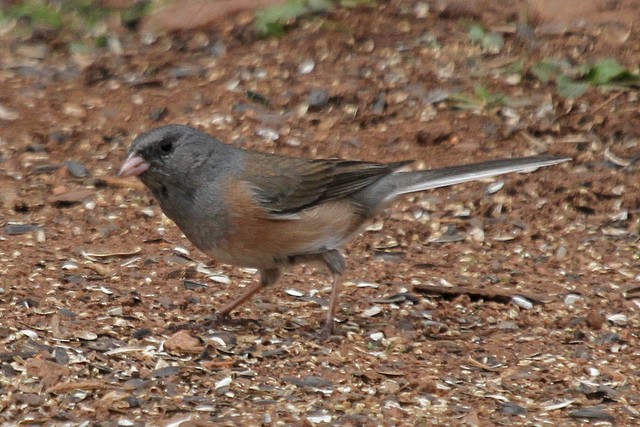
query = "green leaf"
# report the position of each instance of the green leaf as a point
(492, 42)
(610, 71)
(476, 33)
(39, 12)
(604, 71)
(133, 14)
(569, 88)
(481, 98)
(319, 5)
(515, 67)
(354, 3)
(549, 69)
(481, 92)
(273, 20)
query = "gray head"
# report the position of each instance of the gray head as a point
(173, 155)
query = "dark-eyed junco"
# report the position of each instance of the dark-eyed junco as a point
(266, 211)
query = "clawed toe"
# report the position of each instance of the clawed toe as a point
(329, 331)
(217, 320)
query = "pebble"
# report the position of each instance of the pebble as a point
(77, 169)
(306, 66)
(87, 335)
(495, 187)
(571, 299)
(294, 293)
(591, 414)
(372, 311)
(522, 302)
(218, 49)
(165, 372)
(513, 409)
(15, 229)
(607, 338)
(268, 133)
(61, 356)
(380, 103)
(225, 382)
(618, 319)
(318, 99)
(59, 137)
(376, 336)
(158, 114)
(8, 114)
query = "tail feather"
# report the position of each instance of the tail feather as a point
(411, 182)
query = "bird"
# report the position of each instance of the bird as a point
(268, 212)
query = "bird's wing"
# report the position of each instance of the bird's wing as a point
(288, 185)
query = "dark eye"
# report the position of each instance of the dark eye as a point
(166, 146)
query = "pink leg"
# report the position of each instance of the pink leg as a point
(267, 277)
(230, 306)
(333, 304)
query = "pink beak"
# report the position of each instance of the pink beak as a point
(133, 166)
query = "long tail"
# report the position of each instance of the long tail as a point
(411, 182)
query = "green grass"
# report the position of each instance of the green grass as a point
(69, 15)
(274, 20)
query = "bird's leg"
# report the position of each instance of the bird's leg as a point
(335, 262)
(267, 277)
(327, 329)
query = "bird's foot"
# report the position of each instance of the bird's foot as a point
(195, 327)
(329, 331)
(210, 322)
(223, 319)
(216, 319)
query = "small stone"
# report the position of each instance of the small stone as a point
(421, 9)
(141, 333)
(306, 66)
(115, 312)
(158, 114)
(562, 252)
(183, 342)
(618, 319)
(508, 325)
(595, 320)
(372, 311)
(32, 50)
(31, 399)
(380, 103)
(15, 229)
(74, 110)
(165, 372)
(591, 371)
(59, 137)
(592, 414)
(522, 302)
(495, 187)
(218, 49)
(61, 356)
(192, 285)
(294, 293)
(87, 335)
(77, 169)
(318, 99)
(8, 114)
(571, 299)
(223, 383)
(513, 409)
(376, 336)
(607, 338)
(268, 133)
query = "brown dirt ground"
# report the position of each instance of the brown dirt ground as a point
(89, 297)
